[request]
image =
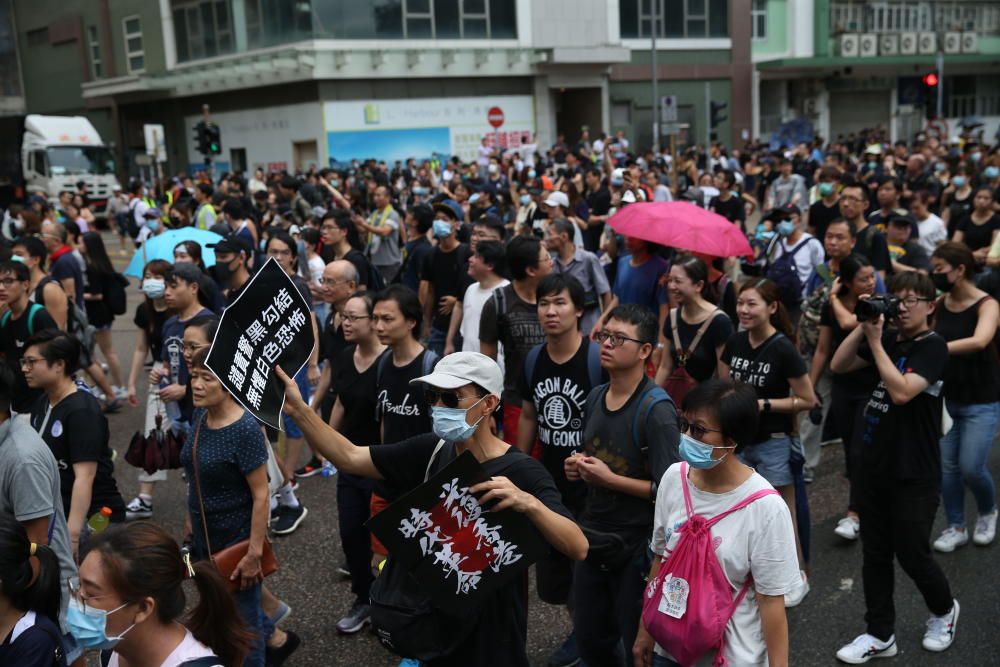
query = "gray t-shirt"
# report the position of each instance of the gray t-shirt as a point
(587, 269)
(784, 190)
(384, 250)
(29, 487)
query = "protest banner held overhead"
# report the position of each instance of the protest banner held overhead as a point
(268, 325)
(456, 549)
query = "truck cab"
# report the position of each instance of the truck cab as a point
(59, 151)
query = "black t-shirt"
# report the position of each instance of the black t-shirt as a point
(98, 312)
(154, 333)
(959, 208)
(67, 266)
(871, 243)
(517, 329)
(332, 342)
(767, 368)
(14, 333)
(559, 394)
(357, 393)
(973, 377)
(731, 209)
(978, 236)
(902, 441)
(820, 217)
(447, 272)
(860, 381)
(361, 265)
(76, 431)
(702, 362)
(418, 253)
(401, 407)
(500, 635)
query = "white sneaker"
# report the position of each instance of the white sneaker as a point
(952, 538)
(794, 598)
(865, 647)
(849, 528)
(941, 630)
(986, 529)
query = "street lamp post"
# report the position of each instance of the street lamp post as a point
(652, 66)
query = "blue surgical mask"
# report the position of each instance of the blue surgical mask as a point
(335, 183)
(976, 157)
(153, 225)
(872, 166)
(450, 425)
(89, 626)
(785, 228)
(940, 166)
(525, 200)
(442, 228)
(419, 191)
(958, 181)
(991, 172)
(825, 189)
(154, 288)
(763, 234)
(698, 454)
(531, 173)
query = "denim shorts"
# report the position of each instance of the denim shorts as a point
(771, 459)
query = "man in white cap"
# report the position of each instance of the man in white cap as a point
(556, 205)
(463, 391)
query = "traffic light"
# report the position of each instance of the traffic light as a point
(214, 138)
(201, 138)
(930, 79)
(716, 117)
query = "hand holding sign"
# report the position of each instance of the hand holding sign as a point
(506, 494)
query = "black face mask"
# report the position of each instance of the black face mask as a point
(223, 273)
(941, 282)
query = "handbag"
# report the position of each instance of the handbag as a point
(680, 382)
(226, 560)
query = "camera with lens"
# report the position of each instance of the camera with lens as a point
(883, 304)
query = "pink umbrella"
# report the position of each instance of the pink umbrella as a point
(683, 226)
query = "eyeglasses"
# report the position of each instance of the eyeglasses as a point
(75, 593)
(449, 398)
(616, 339)
(192, 347)
(911, 300)
(354, 318)
(29, 362)
(697, 431)
(7, 282)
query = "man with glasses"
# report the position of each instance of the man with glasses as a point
(22, 320)
(335, 234)
(870, 242)
(630, 438)
(900, 472)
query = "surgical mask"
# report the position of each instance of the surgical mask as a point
(89, 626)
(17, 258)
(990, 172)
(153, 225)
(531, 173)
(940, 166)
(223, 273)
(450, 425)
(976, 157)
(825, 189)
(872, 166)
(154, 288)
(442, 229)
(419, 191)
(474, 198)
(958, 181)
(525, 200)
(785, 228)
(762, 234)
(941, 282)
(335, 183)
(698, 454)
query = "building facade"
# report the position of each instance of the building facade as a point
(295, 83)
(849, 65)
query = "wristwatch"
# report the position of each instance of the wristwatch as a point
(767, 406)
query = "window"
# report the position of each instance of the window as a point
(135, 57)
(202, 28)
(94, 49)
(690, 19)
(758, 19)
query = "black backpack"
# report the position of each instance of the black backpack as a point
(783, 273)
(115, 295)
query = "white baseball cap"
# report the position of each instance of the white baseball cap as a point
(461, 368)
(557, 199)
(618, 176)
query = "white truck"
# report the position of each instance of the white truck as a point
(51, 154)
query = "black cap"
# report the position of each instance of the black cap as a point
(784, 212)
(232, 243)
(902, 217)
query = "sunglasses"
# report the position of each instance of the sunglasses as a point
(448, 398)
(697, 431)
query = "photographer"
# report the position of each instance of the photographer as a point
(900, 468)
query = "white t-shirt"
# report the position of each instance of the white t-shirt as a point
(189, 649)
(806, 259)
(472, 307)
(932, 232)
(316, 266)
(757, 540)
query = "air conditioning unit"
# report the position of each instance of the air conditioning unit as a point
(809, 106)
(908, 44)
(888, 45)
(868, 45)
(952, 42)
(849, 45)
(970, 42)
(927, 43)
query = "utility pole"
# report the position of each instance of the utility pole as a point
(940, 73)
(208, 158)
(708, 116)
(654, 8)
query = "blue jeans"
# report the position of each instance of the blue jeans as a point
(248, 602)
(438, 337)
(964, 451)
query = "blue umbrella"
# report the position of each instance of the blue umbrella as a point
(162, 247)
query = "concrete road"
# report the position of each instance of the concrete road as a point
(830, 616)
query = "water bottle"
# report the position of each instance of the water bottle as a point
(329, 470)
(100, 520)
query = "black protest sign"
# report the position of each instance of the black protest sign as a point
(457, 551)
(269, 324)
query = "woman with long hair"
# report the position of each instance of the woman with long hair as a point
(100, 277)
(980, 227)
(30, 593)
(764, 356)
(849, 391)
(696, 330)
(225, 459)
(133, 577)
(967, 318)
(149, 318)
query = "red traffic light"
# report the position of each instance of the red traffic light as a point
(930, 79)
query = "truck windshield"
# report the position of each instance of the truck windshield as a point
(65, 160)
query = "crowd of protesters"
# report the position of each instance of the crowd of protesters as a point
(624, 396)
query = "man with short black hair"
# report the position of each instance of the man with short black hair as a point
(906, 253)
(599, 202)
(288, 188)
(22, 320)
(232, 255)
(204, 213)
(419, 220)
(442, 283)
(335, 231)
(584, 266)
(630, 438)
(870, 242)
(486, 266)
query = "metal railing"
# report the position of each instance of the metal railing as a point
(907, 16)
(973, 105)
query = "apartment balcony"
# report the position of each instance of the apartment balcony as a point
(902, 16)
